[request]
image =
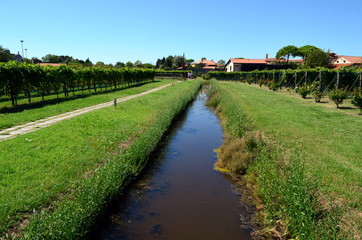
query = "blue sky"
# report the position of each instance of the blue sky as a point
(118, 30)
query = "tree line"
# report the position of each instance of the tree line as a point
(30, 79)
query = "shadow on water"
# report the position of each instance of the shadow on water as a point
(34, 105)
(180, 195)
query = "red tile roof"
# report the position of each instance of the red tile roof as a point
(206, 62)
(338, 66)
(251, 61)
(296, 60)
(273, 59)
(352, 59)
(50, 64)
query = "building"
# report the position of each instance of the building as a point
(205, 64)
(238, 64)
(341, 61)
(18, 57)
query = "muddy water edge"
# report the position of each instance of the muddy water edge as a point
(180, 195)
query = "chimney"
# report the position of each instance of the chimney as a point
(266, 56)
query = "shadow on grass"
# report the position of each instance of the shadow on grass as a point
(34, 105)
(346, 108)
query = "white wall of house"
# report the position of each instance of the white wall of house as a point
(341, 60)
(229, 66)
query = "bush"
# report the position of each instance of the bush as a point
(303, 91)
(317, 95)
(272, 85)
(357, 99)
(337, 96)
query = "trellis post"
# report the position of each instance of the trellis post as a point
(338, 79)
(360, 80)
(320, 81)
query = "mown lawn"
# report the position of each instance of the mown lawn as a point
(327, 140)
(43, 167)
(25, 112)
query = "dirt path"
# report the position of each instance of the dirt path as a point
(42, 123)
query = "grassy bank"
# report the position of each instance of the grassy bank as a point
(56, 180)
(38, 109)
(304, 165)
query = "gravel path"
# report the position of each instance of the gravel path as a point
(42, 123)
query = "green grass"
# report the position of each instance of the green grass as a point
(24, 112)
(67, 172)
(324, 142)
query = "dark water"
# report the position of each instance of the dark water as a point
(180, 196)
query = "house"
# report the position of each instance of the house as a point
(18, 57)
(239, 64)
(341, 61)
(205, 64)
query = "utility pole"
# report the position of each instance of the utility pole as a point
(22, 48)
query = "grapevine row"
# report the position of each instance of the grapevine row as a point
(17, 78)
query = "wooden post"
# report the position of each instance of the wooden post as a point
(306, 79)
(360, 80)
(338, 79)
(115, 102)
(320, 81)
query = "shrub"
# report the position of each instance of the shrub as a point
(337, 96)
(317, 95)
(261, 82)
(357, 99)
(303, 91)
(272, 85)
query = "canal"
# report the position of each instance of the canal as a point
(180, 195)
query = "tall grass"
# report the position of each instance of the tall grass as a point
(292, 199)
(102, 152)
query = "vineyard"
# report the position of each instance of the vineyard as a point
(325, 79)
(35, 80)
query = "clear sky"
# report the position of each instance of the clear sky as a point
(126, 30)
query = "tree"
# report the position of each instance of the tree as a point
(129, 64)
(169, 62)
(119, 65)
(179, 61)
(5, 55)
(221, 62)
(148, 65)
(100, 64)
(160, 63)
(317, 58)
(189, 61)
(88, 63)
(305, 49)
(287, 52)
(138, 64)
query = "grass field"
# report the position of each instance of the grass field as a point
(319, 147)
(64, 174)
(24, 112)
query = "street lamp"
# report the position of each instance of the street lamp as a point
(22, 49)
(26, 52)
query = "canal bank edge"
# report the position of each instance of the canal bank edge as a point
(284, 200)
(71, 217)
